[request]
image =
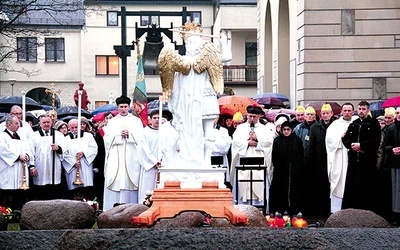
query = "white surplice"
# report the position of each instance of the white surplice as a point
(337, 161)
(240, 148)
(148, 177)
(43, 157)
(11, 169)
(88, 146)
(25, 132)
(220, 146)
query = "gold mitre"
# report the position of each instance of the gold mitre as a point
(192, 28)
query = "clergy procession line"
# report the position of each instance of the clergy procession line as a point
(316, 165)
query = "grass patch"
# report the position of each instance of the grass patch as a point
(13, 227)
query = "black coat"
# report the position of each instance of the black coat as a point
(361, 187)
(368, 133)
(317, 182)
(392, 140)
(286, 191)
(98, 162)
(316, 159)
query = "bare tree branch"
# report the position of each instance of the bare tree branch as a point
(35, 19)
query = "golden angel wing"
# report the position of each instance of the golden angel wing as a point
(169, 62)
(210, 60)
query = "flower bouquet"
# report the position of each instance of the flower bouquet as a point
(7, 216)
(148, 200)
(5, 210)
(93, 203)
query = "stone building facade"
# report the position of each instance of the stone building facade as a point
(307, 49)
(89, 47)
(329, 50)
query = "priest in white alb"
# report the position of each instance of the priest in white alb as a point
(14, 155)
(80, 155)
(148, 176)
(337, 155)
(46, 144)
(220, 146)
(126, 154)
(252, 139)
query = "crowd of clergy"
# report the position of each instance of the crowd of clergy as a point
(316, 163)
(321, 163)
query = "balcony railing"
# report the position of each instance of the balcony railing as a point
(240, 74)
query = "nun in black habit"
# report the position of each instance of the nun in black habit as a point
(286, 187)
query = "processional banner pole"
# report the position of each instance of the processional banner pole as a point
(23, 106)
(159, 153)
(53, 92)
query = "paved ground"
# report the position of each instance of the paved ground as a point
(204, 238)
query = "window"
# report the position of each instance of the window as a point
(107, 65)
(112, 18)
(348, 23)
(194, 16)
(149, 21)
(150, 71)
(27, 49)
(55, 49)
(251, 59)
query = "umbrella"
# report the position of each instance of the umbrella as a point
(28, 117)
(38, 112)
(155, 105)
(226, 111)
(72, 111)
(47, 107)
(3, 116)
(336, 108)
(6, 102)
(376, 108)
(235, 103)
(31, 117)
(105, 108)
(270, 101)
(392, 102)
(281, 97)
(271, 114)
(68, 118)
(100, 116)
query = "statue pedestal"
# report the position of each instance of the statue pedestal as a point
(172, 199)
(192, 178)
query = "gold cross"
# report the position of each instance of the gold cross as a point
(53, 94)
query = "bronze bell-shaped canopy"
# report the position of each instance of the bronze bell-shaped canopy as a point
(152, 47)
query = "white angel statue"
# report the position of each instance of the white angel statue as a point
(190, 83)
